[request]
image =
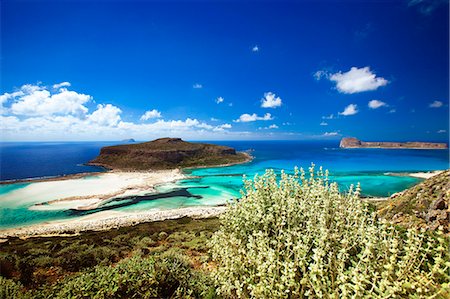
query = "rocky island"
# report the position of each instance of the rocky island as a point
(167, 153)
(351, 142)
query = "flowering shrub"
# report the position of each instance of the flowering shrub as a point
(298, 236)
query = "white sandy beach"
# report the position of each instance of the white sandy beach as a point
(420, 175)
(107, 220)
(87, 192)
(425, 175)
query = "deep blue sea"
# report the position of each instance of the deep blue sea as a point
(209, 186)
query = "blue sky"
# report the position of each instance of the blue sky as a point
(101, 70)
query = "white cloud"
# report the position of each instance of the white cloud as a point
(219, 100)
(62, 84)
(375, 104)
(350, 110)
(442, 131)
(321, 74)
(34, 100)
(273, 126)
(255, 48)
(214, 119)
(270, 100)
(230, 104)
(331, 116)
(324, 123)
(436, 104)
(62, 115)
(222, 127)
(253, 117)
(197, 86)
(328, 134)
(393, 110)
(355, 80)
(105, 115)
(151, 114)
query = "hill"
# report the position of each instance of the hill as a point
(425, 205)
(167, 153)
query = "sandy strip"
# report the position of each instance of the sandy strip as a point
(425, 175)
(89, 191)
(420, 175)
(108, 220)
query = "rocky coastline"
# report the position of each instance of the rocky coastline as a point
(351, 142)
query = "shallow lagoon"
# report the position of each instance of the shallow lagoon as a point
(213, 186)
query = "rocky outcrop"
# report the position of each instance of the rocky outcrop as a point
(166, 153)
(425, 205)
(351, 142)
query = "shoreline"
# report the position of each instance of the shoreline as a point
(419, 174)
(107, 220)
(80, 175)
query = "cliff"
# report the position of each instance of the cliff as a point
(425, 205)
(166, 153)
(351, 142)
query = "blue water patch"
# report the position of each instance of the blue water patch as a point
(22, 160)
(216, 185)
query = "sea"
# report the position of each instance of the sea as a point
(378, 171)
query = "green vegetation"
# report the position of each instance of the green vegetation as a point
(424, 205)
(298, 237)
(289, 237)
(165, 259)
(167, 153)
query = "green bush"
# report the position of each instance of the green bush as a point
(11, 289)
(167, 276)
(300, 237)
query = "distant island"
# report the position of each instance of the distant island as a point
(351, 142)
(167, 153)
(131, 140)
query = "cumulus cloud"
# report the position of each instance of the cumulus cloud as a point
(222, 127)
(151, 114)
(270, 100)
(60, 114)
(219, 100)
(393, 110)
(375, 104)
(37, 100)
(105, 115)
(350, 110)
(355, 80)
(324, 123)
(253, 117)
(197, 86)
(255, 48)
(62, 84)
(436, 104)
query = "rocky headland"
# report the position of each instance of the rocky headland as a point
(167, 153)
(351, 142)
(425, 205)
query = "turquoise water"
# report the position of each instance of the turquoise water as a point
(213, 186)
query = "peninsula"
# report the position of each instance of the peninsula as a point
(167, 153)
(351, 142)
